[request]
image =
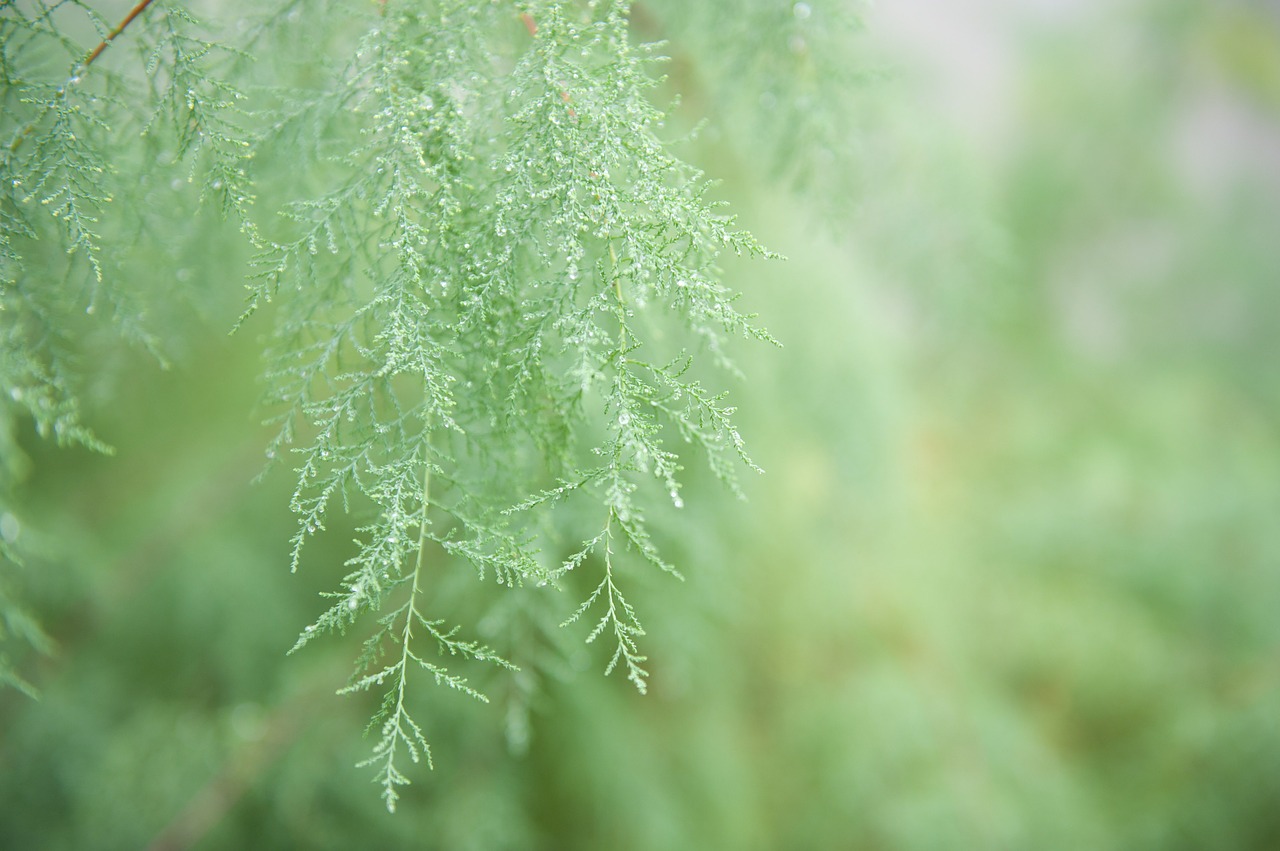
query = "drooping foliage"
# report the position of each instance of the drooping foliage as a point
(492, 287)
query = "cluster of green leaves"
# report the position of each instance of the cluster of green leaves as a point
(474, 322)
(76, 135)
(492, 289)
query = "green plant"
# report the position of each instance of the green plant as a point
(493, 293)
(1010, 581)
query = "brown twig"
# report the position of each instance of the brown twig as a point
(88, 60)
(128, 19)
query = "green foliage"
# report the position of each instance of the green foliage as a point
(472, 300)
(1010, 581)
(493, 299)
(77, 142)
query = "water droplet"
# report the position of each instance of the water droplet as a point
(802, 11)
(91, 309)
(682, 283)
(624, 418)
(428, 103)
(311, 629)
(353, 604)
(677, 502)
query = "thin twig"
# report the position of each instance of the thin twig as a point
(88, 60)
(128, 19)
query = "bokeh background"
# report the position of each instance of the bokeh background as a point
(1011, 581)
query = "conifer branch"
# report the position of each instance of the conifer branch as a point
(494, 285)
(400, 719)
(84, 63)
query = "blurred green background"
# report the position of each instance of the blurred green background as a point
(1012, 579)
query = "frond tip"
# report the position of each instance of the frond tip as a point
(398, 731)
